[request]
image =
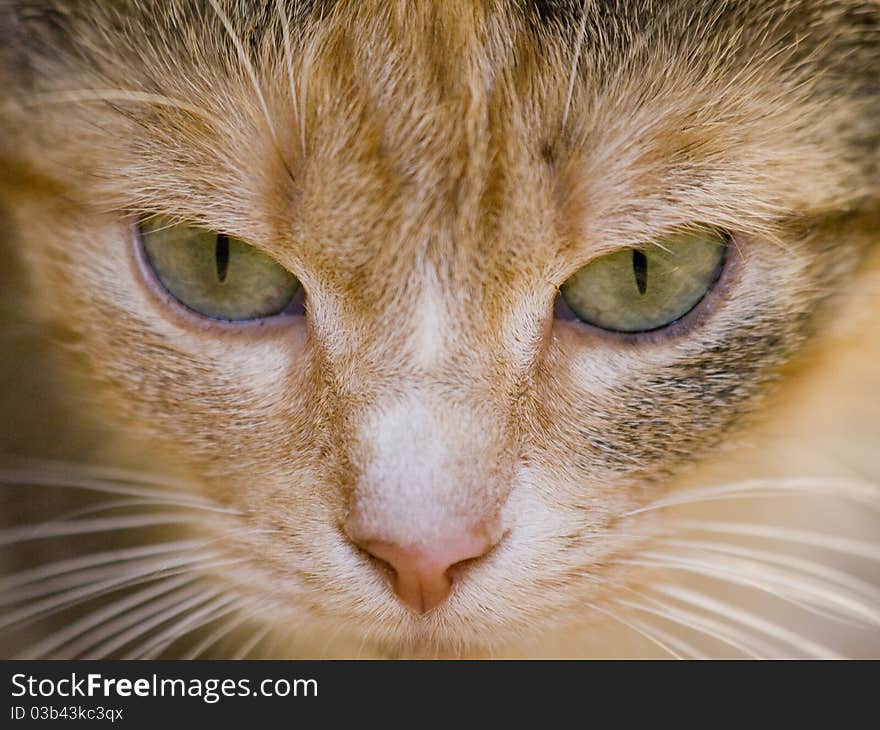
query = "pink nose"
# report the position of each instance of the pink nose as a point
(421, 574)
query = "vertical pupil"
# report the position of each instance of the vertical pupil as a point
(640, 269)
(221, 256)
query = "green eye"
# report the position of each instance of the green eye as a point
(642, 289)
(216, 275)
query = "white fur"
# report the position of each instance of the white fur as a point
(405, 494)
(432, 325)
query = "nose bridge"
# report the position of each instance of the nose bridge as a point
(427, 432)
(427, 467)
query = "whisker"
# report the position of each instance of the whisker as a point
(682, 647)
(194, 598)
(16, 478)
(847, 546)
(217, 635)
(285, 29)
(748, 619)
(810, 567)
(94, 471)
(189, 623)
(251, 644)
(111, 505)
(306, 63)
(581, 33)
(51, 529)
(246, 64)
(108, 485)
(88, 589)
(742, 643)
(103, 641)
(809, 596)
(49, 570)
(128, 627)
(70, 598)
(77, 579)
(94, 627)
(650, 634)
(853, 490)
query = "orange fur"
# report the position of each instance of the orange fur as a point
(432, 173)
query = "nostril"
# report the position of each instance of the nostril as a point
(422, 576)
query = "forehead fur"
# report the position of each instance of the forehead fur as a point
(454, 118)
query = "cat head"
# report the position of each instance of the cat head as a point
(426, 414)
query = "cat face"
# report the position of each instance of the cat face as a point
(428, 453)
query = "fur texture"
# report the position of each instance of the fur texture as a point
(432, 172)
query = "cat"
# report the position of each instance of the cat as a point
(456, 329)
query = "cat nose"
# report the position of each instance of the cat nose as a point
(422, 577)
